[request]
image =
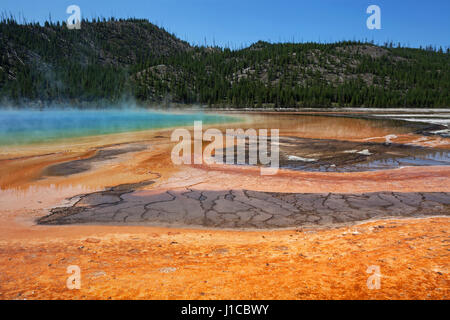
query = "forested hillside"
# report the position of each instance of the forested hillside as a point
(52, 63)
(111, 60)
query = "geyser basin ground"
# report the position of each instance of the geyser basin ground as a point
(242, 208)
(142, 262)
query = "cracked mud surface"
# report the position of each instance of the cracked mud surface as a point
(124, 205)
(346, 156)
(327, 155)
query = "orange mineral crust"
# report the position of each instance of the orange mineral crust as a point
(155, 263)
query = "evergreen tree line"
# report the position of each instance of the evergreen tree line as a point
(110, 60)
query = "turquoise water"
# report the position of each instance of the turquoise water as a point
(18, 127)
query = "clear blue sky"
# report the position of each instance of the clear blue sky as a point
(242, 22)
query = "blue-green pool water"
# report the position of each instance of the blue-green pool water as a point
(19, 127)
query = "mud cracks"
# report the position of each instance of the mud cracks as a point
(127, 205)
